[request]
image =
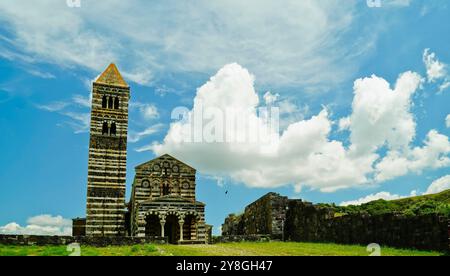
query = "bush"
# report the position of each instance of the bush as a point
(420, 205)
(150, 248)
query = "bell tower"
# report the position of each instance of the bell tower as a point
(105, 209)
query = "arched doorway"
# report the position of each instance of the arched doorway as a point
(190, 228)
(153, 226)
(172, 229)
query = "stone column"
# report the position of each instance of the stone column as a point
(163, 223)
(181, 217)
(181, 221)
(162, 220)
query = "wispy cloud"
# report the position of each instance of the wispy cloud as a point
(53, 107)
(77, 110)
(397, 3)
(82, 100)
(81, 121)
(134, 137)
(148, 111)
(435, 69)
(44, 75)
(299, 42)
(144, 148)
(444, 86)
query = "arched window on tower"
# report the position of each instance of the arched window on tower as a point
(113, 128)
(110, 102)
(116, 103)
(104, 102)
(105, 128)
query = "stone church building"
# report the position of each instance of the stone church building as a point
(163, 202)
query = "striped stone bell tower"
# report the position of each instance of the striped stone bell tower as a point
(107, 155)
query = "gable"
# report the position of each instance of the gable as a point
(168, 162)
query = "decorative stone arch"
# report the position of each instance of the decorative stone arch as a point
(113, 128)
(104, 101)
(110, 102)
(172, 225)
(116, 102)
(165, 187)
(105, 127)
(191, 222)
(152, 224)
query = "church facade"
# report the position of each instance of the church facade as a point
(163, 201)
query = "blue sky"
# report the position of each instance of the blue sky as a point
(308, 56)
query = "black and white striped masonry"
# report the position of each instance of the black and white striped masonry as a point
(107, 155)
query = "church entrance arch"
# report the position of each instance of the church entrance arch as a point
(152, 226)
(172, 229)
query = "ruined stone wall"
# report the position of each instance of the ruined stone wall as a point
(310, 223)
(242, 238)
(232, 225)
(208, 233)
(263, 217)
(306, 222)
(66, 240)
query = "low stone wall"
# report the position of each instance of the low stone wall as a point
(311, 223)
(242, 238)
(304, 221)
(65, 240)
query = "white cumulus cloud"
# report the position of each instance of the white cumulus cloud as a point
(345, 123)
(303, 155)
(434, 154)
(373, 197)
(381, 115)
(45, 225)
(436, 186)
(439, 185)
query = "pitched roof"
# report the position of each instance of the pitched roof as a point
(171, 199)
(164, 156)
(111, 76)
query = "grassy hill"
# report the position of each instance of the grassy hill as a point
(418, 205)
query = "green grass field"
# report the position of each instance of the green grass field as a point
(226, 249)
